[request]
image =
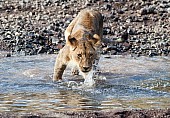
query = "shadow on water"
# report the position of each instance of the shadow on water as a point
(26, 85)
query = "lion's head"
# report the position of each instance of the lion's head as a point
(84, 50)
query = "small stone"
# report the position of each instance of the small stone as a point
(113, 52)
(65, 6)
(168, 10)
(128, 20)
(124, 36)
(106, 31)
(50, 51)
(107, 7)
(41, 50)
(143, 11)
(151, 10)
(8, 55)
(120, 11)
(131, 31)
(116, 19)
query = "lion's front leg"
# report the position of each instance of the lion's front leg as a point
(60, 65)
(58, 70)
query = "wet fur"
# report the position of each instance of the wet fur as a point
(83, 39)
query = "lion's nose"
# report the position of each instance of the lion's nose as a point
(86, 68)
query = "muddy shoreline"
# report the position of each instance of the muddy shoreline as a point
(154, 113)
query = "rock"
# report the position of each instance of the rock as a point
(109, 48)
(131, 31)
(124, 36)
(168, 10)
(148, 10)
(50, 51)
(107, 7)
(143, 11)
(65, 6)
(151, 9)
(8, 55)
(41, 50)
(106, 30)
(152, 53)
(120, 11)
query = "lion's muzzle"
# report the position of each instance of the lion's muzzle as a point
(86, 69)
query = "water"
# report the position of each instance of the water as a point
(26, 85)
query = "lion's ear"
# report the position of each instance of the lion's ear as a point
(96, 40)
(72, 41)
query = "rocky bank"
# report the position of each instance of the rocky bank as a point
(95, 114)
(139, 28)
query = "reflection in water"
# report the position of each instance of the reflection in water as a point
(26, 85)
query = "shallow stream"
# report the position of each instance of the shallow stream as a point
(124, 83)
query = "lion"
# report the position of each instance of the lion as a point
(83, 42)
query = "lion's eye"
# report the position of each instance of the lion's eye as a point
(79, 55)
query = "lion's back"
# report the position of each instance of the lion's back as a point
(90, 20)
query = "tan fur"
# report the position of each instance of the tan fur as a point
(83, 39)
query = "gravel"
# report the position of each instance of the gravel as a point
(157, 113)
(139, 28)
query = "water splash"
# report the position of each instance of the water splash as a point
(73, 84)
(89, 80)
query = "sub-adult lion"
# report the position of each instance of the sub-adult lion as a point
(83, 41)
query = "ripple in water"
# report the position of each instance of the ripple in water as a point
(124, 82)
